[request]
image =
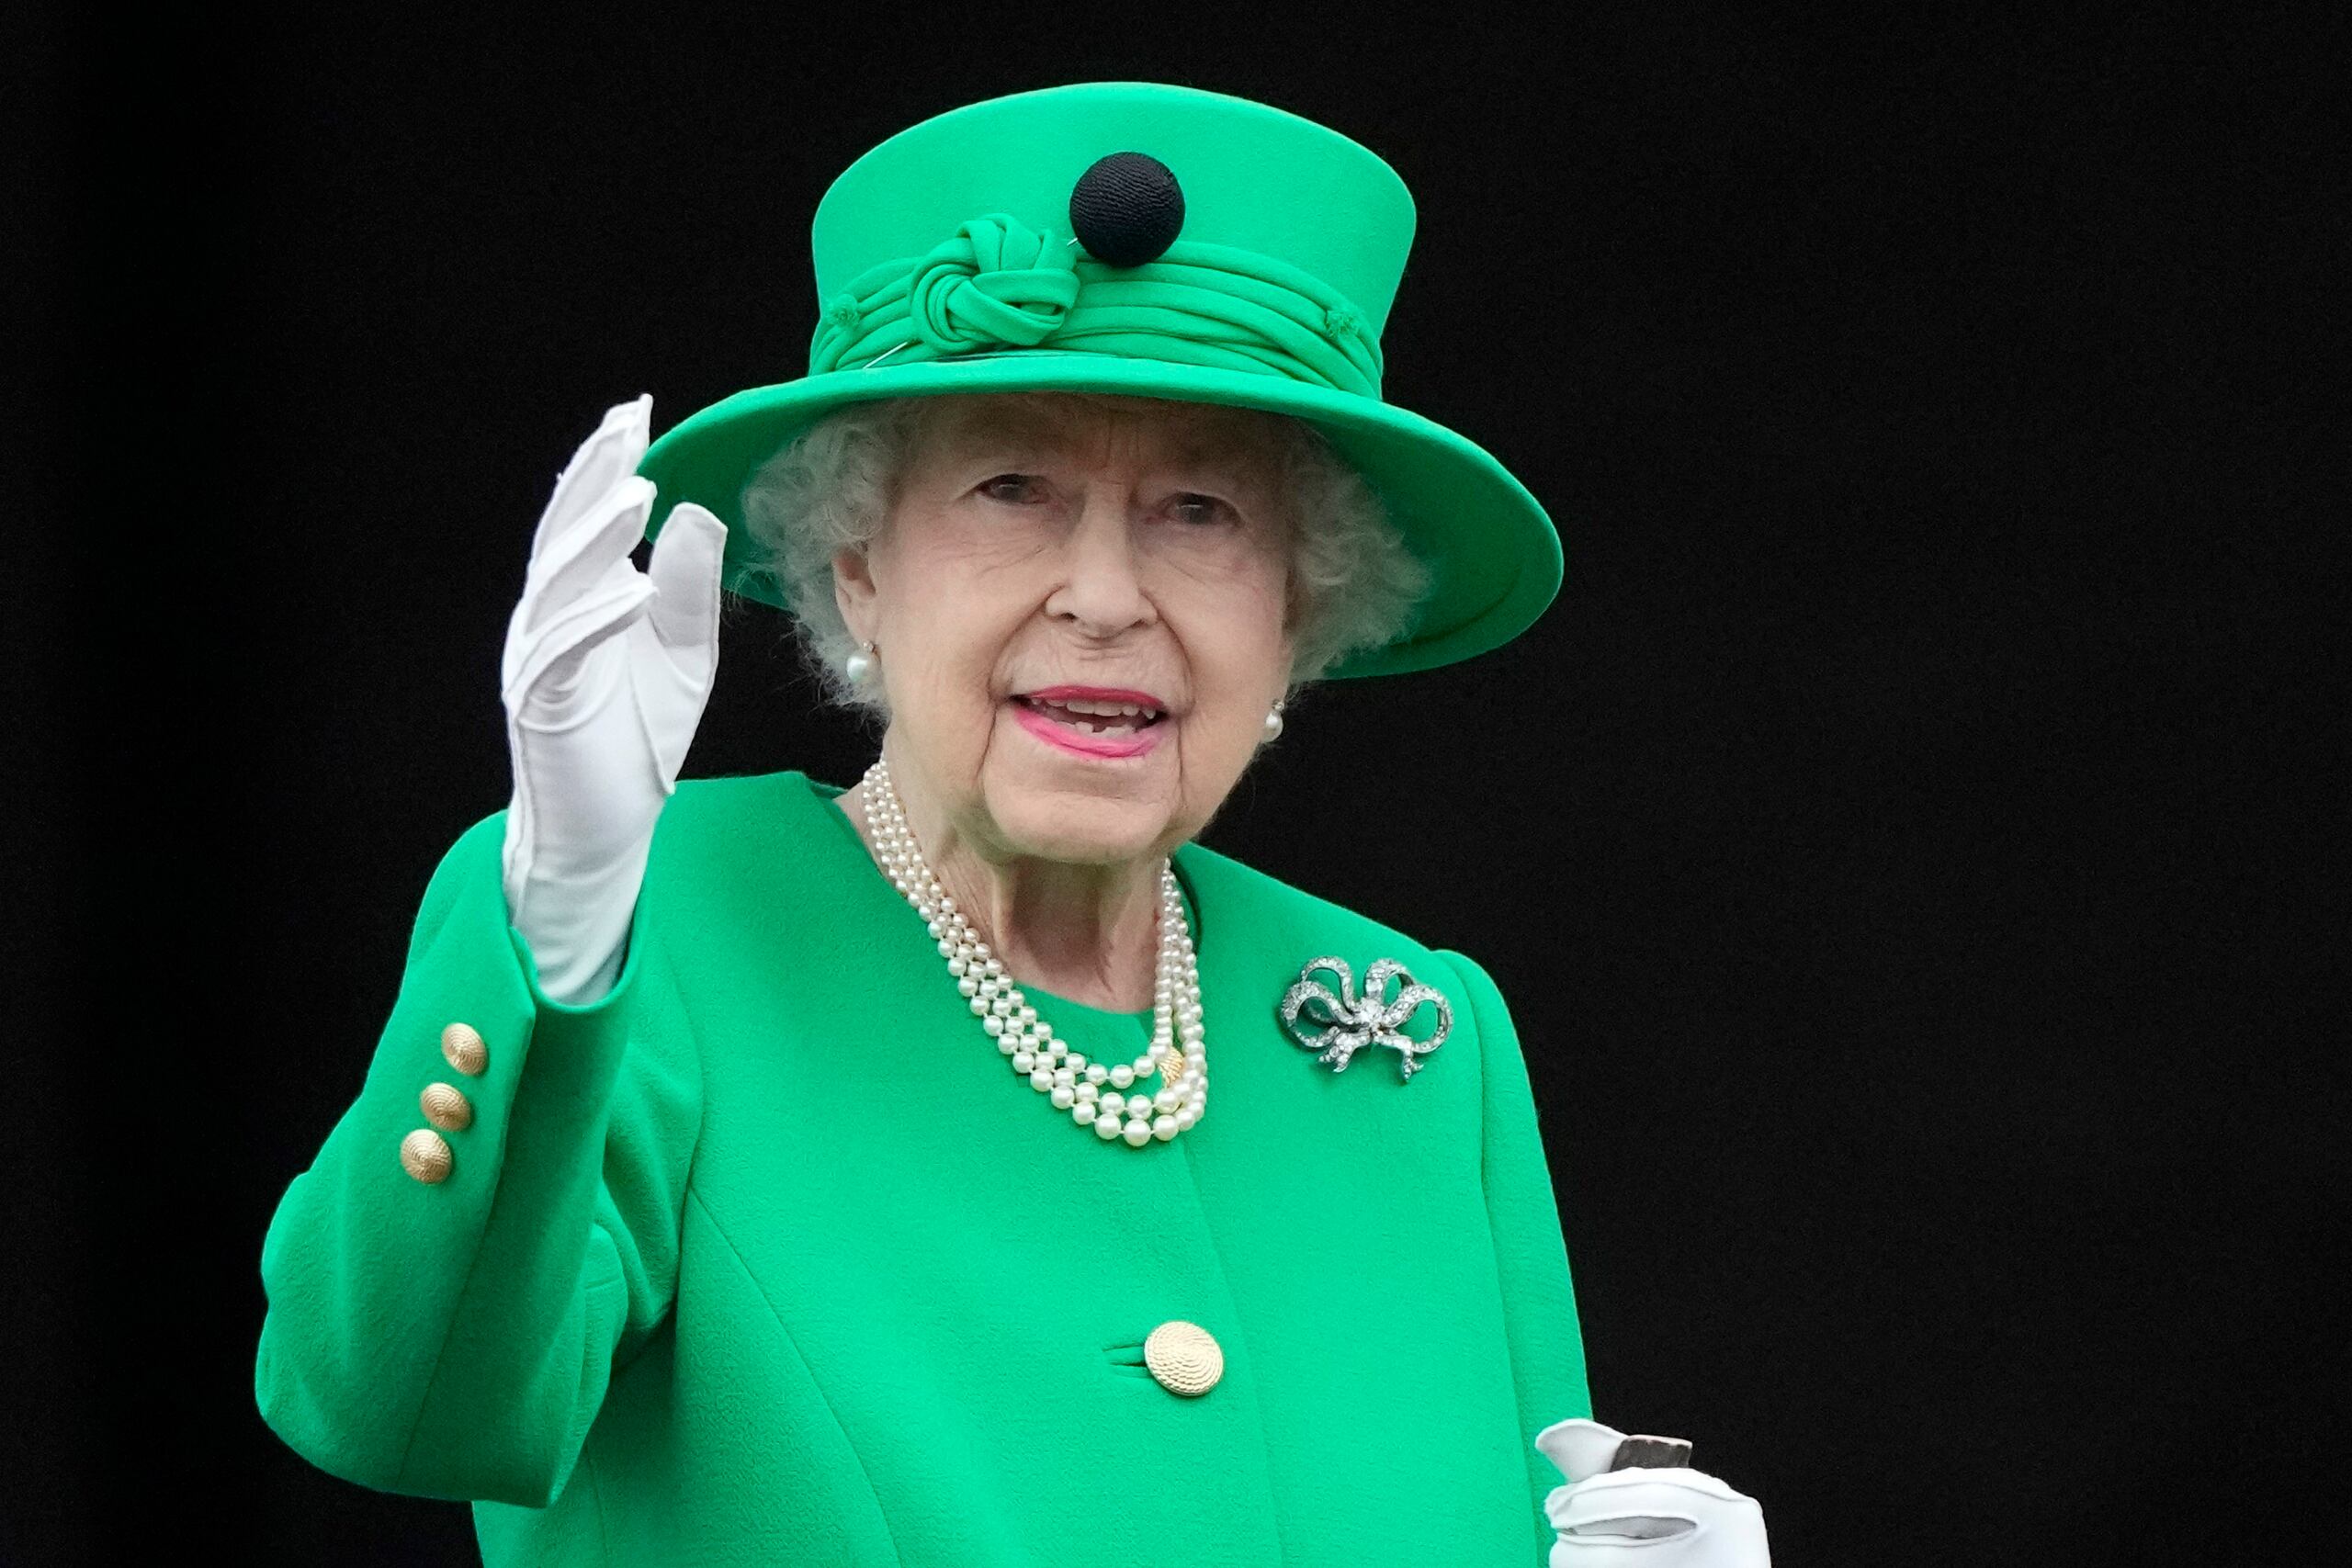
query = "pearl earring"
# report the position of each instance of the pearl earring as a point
(859, 665)
(1274, 722)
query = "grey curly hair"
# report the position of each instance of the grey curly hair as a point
(1352, 583)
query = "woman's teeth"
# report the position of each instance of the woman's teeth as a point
(1096, 719)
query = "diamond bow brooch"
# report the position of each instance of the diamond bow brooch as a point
(1374, 1018)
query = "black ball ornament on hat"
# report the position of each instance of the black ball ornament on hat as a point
(1127, 210)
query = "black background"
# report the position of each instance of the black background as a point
(1886, 842)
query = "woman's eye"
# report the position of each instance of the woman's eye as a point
(1198, 509)
(1013, 488)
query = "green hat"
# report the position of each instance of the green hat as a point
(1131, 237)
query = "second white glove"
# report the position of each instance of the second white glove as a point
(604, 676)
(1676, 1517)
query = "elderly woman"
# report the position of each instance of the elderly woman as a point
(758, 1171)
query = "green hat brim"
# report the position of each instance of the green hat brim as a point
(1493, 554)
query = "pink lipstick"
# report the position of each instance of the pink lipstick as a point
(1092, 721)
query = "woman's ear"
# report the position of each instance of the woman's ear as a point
(853, 591)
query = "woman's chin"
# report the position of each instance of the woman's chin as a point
(1095, 799)
(1076, 825)
(1091, 816)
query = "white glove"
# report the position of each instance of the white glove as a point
(1643, 1518)
(604, 676)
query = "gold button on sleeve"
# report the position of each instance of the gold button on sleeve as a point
(463, 1045)
(425, 1157)
(1185, 1356)
(447, 1107)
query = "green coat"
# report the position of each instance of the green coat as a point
(767, 1257)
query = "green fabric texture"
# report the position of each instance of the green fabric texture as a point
(997, 282)
(946, 263)
(765, 1257)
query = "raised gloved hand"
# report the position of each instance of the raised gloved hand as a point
(1643, 1517)
(606, 673)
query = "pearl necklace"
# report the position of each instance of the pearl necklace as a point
(1092, 1094)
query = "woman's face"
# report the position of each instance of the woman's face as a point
(1050, 562)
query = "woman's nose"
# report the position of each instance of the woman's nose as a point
(1102, 587)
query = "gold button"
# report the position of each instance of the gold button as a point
(446, 1107)
(463, 1045)
(425, 1157)
(1184, 1358)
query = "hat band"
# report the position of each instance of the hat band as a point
(997, 283)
